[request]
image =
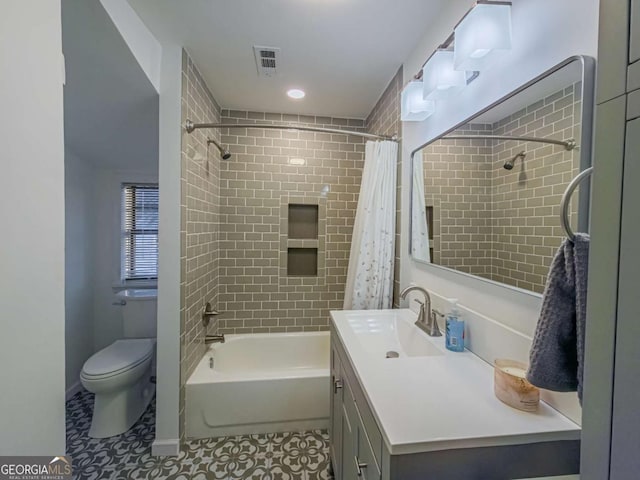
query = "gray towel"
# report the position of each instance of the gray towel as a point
(557, 354)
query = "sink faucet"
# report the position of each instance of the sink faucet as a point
(209, 339)
(426, 318)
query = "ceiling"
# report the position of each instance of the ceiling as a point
(343, 53)
(110, 107)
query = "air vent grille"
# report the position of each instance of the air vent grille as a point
(266, 60)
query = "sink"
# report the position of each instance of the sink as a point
(380, 333)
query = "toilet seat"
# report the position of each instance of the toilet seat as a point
(118, 358)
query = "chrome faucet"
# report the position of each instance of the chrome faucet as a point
(209, 339)
(426, 318)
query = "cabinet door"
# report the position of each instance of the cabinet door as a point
(349, 436)
(602, 293)
(367, 466)
(625, 434)
(634, 41)
(613, 55)
(335, 425)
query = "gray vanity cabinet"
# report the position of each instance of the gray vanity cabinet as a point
(335, 425)
(351, 450)
(358, 451)
(611, 419)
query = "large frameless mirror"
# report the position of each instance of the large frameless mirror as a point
(485, 196)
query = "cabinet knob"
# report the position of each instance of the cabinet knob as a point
(359, 466)
(337, 385)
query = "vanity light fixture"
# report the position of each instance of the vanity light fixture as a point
(296, 93)
(297, 161)
(439, 78)
(485, 29)
(414, 108)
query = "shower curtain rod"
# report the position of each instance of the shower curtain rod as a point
(567, 144)
(190, 127)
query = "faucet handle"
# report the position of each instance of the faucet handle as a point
(208, 312)
(434, 318)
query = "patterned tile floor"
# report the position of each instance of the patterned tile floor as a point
(278, 456)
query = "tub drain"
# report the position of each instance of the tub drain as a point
(392, 354)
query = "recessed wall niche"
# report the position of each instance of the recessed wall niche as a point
(303, 221)
(302, 262)
(302, 240)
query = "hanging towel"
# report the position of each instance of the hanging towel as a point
(556, 360)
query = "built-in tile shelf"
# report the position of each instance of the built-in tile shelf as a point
(302, 239)
(302, 262)
(303, 221)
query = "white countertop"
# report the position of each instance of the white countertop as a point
(438, 402)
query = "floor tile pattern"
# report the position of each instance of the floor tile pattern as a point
(277, 456)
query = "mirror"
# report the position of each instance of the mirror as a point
(485, 196)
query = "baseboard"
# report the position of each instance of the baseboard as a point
(72, 390)
(165, 448)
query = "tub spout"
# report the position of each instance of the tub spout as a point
(209, 339)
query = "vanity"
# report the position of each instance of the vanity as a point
(404, 407)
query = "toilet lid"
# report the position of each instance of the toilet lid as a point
(120, 355)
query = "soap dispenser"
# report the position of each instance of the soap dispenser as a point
(454, 339)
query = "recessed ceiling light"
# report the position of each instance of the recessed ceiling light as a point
(296, 93)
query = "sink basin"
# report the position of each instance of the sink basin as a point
(382, 332)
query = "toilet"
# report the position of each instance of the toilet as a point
(120, 374)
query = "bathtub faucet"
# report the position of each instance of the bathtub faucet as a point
(209, 339)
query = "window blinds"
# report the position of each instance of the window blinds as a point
(139, 231)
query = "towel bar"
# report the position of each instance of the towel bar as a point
(564, 204)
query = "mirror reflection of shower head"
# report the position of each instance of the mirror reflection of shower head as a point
(508, 165)
(225, 154)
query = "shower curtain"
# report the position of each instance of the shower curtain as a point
(370, 274)
(419, 228)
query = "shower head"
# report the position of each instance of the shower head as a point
(508, 165)
(225, 154)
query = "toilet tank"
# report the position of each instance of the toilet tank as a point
(139, 310)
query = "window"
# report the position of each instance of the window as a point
(139, 232)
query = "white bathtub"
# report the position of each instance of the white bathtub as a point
(260, 383)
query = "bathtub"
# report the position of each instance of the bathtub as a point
(260, 383)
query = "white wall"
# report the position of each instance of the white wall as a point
(32, 240)
(168, 83)
(107, 317)
(140, 40)
(545, 32)
(79, 260)
(167, 440)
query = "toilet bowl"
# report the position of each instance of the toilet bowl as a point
(120, 374)
(120, 377)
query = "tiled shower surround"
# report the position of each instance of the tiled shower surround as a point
(257, 183)
(384, 119)
(234, 230)
(199, 230)
(497, 223)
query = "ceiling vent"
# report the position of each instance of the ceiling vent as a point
(266, 60)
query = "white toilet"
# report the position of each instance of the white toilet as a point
(120, 374)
